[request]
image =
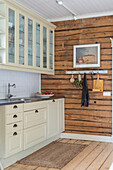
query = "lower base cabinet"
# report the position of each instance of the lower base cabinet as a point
(61, 115)
(14, 143)
(34, 135)
(25, 125)
(52, 118)
(55, 117)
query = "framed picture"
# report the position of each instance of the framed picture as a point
(86, 56)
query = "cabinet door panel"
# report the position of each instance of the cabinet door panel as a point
(34, 135)
(51, 49)
(11, 36)
(61, 115)
(12, 118)
(37, 45)
(13, 108)
(35, 117)
(21, 39)
(14, 143)
(52, 122)
(16, 126)
(44, 47)
(30, 42)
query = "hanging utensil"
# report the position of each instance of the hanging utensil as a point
(98, 85)
(72, 79)
(79, 77)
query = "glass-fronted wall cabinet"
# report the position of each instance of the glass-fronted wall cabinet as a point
(44, 47)
(51, 49)
(11, 36)
(2, 33)
(21, 39)
(38, 45)
(26, 40)
(30, 42)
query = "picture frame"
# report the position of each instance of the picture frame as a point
(86, 56)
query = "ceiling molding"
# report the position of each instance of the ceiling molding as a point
(91, 15)
(52, 12)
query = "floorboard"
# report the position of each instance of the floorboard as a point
(96, 156)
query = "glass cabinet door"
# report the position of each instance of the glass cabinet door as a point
(30, 42)
(21, 39)
(11, 36)
(51, 50)
(37, 45)
(44, 47)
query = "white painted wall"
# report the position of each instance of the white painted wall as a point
(27, 84)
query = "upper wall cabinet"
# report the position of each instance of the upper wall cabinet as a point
(26, 40)
(21, 44)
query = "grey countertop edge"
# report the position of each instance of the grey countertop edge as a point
(30, 101)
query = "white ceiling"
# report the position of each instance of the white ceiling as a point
(51, 11)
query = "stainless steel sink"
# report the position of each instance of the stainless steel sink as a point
(31, 99)
(18, 100)
(12, 101)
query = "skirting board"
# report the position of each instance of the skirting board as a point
(87, 137)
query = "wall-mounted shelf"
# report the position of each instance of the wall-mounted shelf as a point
(88, 72)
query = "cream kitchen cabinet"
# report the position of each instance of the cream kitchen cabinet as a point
(27, 125)
(11, 129)
(61, 117)
(27, 40)
(34, 135)
(35, 120)
(52, 122)
(55, 117)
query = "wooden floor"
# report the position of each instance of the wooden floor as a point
(96, 156)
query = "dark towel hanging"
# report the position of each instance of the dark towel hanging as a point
(85, 93)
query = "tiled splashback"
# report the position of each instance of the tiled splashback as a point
(27, 84)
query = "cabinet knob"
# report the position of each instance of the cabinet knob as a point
(15, 134)
(53, 100)
(15, 116)
(15, 107)
(15, 125)
(36, 111)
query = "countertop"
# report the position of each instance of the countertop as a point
(28, 100)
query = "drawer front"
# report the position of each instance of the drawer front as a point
(35, 105)
(14, 127)
(35, 117)
(15, 108)
(35, 135)
(14, 143)
(13, 118)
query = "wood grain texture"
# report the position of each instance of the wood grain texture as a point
(97, 118)
(96, 156)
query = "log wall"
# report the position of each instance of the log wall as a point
(97, 118)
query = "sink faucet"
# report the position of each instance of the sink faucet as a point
(10, 95)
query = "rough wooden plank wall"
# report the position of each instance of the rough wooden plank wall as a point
(97, 118)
